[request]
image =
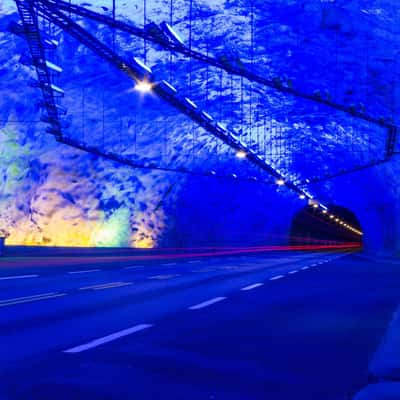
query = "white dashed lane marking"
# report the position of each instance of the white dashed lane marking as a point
(84, 271)
(30, 299)
(134, 267)
(250, 287)
(274, 278)
(108, 338)
(293, 272)
(5, 278)
(304, 268)
(103, 286)
(160, 277)
(207, 303)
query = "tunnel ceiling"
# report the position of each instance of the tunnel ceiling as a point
(344, 52)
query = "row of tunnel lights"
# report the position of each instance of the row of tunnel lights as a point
(146, 87)
(340, 222)
(281, 182)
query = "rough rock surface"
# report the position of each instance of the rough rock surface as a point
(52, 194)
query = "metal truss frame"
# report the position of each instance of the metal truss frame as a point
(53, 10)
(154, 34)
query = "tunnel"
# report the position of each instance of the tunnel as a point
(336, 225)
(199, 199)
(210, 153)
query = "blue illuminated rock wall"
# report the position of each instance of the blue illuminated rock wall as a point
(55, 195)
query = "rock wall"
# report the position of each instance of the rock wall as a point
(51, 194)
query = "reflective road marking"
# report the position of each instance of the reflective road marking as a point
(4, 278)
(83, 271)
(274, 278)
(30, 299)
(134, 267)
(207, 303)
(250, 287)
(160, 277)
(103, 286)
(108, 338)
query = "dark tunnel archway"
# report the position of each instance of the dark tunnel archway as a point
(314, 226)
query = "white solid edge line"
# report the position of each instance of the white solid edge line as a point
(206, 303)
(31, 300)
(3, 278)
(83, 271)
(108, 338)
(274, 278)
(250, 287)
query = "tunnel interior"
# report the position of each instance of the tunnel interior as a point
(249, 127)
(312, 226)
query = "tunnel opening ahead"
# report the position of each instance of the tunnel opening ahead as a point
(315, 226)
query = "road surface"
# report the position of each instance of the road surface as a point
(273, 326)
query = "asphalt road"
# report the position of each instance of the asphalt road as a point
(282, 326)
